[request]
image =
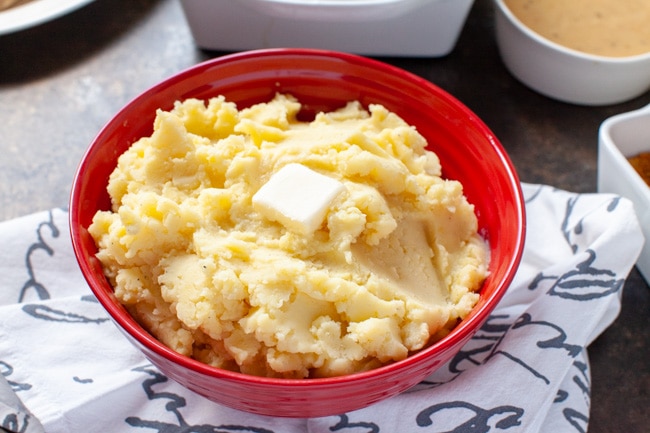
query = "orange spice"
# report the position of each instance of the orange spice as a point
(641, 164)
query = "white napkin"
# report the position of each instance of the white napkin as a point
(525, 371)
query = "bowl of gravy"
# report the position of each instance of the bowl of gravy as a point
(586, 52)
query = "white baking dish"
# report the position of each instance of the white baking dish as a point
(418, 28)
(620, 137)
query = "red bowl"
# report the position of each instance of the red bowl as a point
(321, 80)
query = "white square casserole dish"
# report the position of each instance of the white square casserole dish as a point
(619, 138)
(417, 28)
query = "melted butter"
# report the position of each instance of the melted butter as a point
(613, 28)
(406, 259)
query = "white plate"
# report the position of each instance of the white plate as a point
(36, 12)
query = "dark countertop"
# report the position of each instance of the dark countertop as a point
(61, 81)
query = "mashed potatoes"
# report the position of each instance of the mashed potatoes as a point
(392, 262)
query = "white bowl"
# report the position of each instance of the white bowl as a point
(419, 28)
(565, 74)
(620, 137)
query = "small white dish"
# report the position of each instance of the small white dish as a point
(619, 138)
(565, 74)
(418, 28)
(36, 12)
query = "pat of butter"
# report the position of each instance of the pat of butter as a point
(297, 197)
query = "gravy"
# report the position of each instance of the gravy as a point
(613, 28)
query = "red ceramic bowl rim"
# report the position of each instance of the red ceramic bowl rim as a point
(464, 329)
